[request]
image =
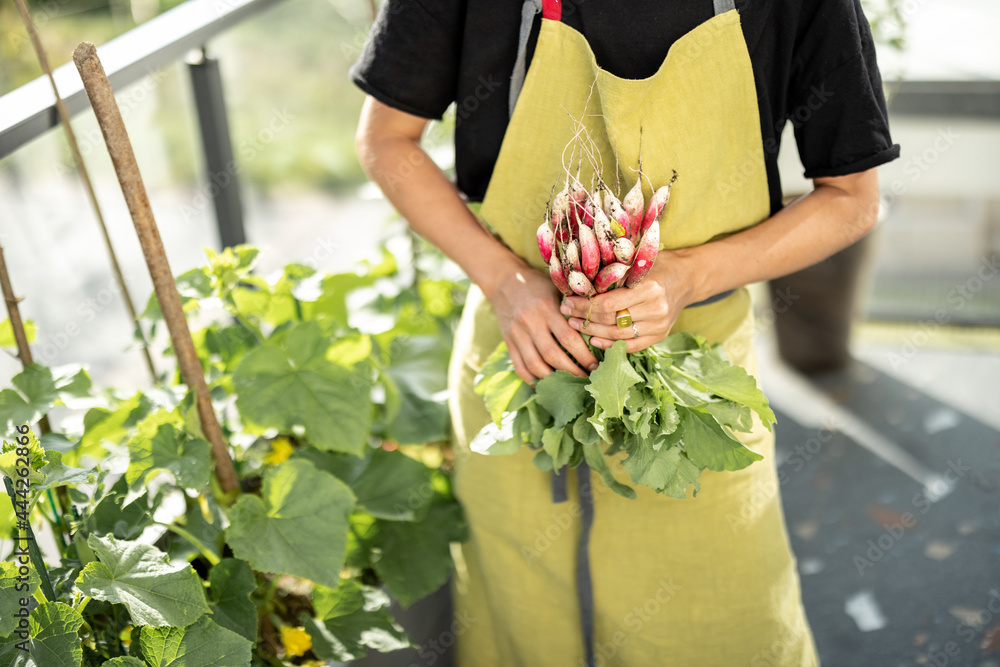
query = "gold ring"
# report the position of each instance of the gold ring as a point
(635, 331)
(623, 318)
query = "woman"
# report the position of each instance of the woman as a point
(701, 581)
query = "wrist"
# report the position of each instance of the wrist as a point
(693, 282)
(493, 274)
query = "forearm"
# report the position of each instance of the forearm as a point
(432, 206)
(805, 232)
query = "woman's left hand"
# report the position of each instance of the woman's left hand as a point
(654, 304)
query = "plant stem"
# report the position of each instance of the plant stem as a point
(205, 551)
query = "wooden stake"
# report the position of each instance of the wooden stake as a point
(85, 175)
(102, 99)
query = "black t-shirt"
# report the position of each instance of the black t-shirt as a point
(813, 63)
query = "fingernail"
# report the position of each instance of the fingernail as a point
(564, 309)
(574, 324)
(593, 367)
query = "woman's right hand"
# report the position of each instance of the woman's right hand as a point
(525, 300)
(527, 308)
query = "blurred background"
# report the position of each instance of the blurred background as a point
(909, 426)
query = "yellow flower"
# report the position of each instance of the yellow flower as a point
(296, 640)
(281, 449)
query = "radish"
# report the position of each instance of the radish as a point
(572, 251)
(580, 284)
(616, 214)
(610, 276)
(633, 205)
(558, 276)
(645, 254)
(624, 250)
(657, 204)
(546, 241)
(605, 236)
(590, 253)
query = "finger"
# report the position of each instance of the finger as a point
(632, 345)
(602, 308)
(532, 357)
(519, 367)
(573, 342)
(657, 327)
(555, 356)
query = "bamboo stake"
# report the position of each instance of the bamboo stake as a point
(81, 168)
(102, 99)
(24, 354)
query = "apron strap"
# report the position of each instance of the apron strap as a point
(723, 6)
(528, 11)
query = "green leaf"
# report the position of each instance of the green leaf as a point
(610, 383)
(54, 639)
(291, 382)
(414, 558)
(667, 470)
(497, 440)
(558, 444)
(124, 661)
(203, 643)
(500, 392)
(733, 415)
(393, 486)
(155, 591)
(7, 332)
(709, 446)
(584, 431)
(333, 301)
(345, 599)
(418, 369)
(232, 583)
(563, 395)
(345, 637)
(713, 373)
(296, 526)
(57, 474)
(598, 463)
(111, 516)
(159, 443)
(10, 597)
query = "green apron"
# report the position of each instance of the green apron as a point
(702, 581)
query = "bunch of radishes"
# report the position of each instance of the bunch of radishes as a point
(593, 242)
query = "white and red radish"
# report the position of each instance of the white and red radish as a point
(546, 241)
(558, 276)
(624, 250)
(594, 242)
(590, 253)
(657, 204)
(645, 254)
(572, 251)
(605, 236)
(633, 206)
(580, 284)
(609, 277)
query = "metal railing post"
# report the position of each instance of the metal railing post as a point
(223, 183)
